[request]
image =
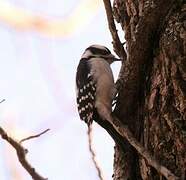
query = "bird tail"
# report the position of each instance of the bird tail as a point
(119, 140)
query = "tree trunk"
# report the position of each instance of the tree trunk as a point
(152, 99)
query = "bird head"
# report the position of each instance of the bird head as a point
(99, 51)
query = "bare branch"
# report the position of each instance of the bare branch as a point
(92, 152)
(125, 133)
(34, 136)
(2, 100)
(118, 46)
(21, 154)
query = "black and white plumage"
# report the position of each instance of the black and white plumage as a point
(95, 83)
(86, 91)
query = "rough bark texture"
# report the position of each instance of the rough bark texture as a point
(152, 100)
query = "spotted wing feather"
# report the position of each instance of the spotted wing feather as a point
(86, 90)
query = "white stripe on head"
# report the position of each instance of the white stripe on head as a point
(86, 54)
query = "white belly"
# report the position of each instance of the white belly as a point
(105, 88)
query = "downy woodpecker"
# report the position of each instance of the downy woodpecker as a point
(95, 84)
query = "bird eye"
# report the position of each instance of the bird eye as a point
(108, 51)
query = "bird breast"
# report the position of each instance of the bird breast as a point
(103, 76)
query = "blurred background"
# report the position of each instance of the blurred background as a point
(41, 42)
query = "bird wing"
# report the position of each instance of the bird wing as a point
(86, 90)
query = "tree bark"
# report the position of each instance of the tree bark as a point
(152, 99)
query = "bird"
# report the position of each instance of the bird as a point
(95, 88)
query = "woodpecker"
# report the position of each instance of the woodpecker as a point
(95, 86)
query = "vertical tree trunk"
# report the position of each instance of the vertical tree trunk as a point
(152, 100)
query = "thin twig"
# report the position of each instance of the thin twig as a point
(2, 100)
(34, 136)
(21, 154)
(118, 47)
(125, 133)
(92, 152)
